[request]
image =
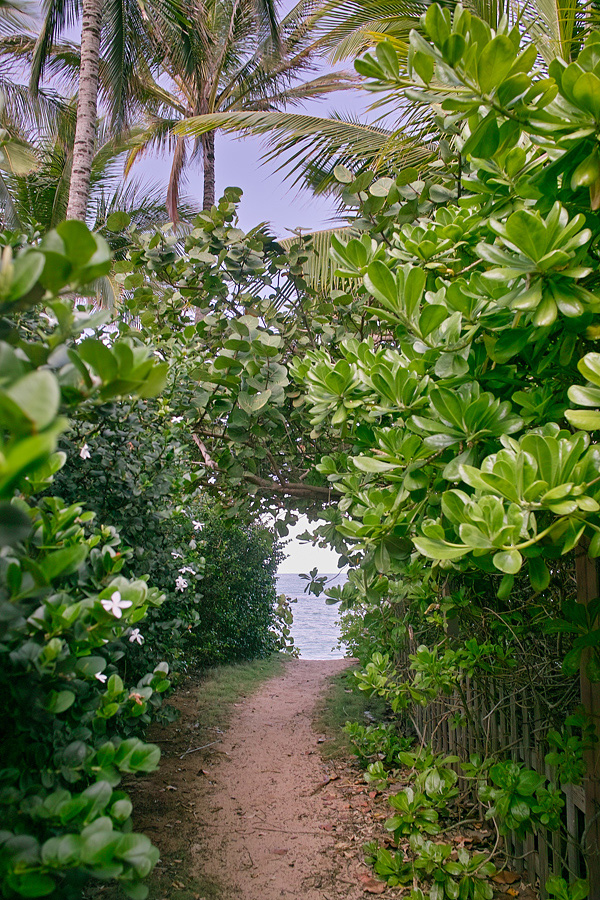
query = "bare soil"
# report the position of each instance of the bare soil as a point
(258, 815)
(272, 815)
(255, 813)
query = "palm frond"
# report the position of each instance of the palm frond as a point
(15, 15)
(558, 28)
(344, 28)
(179, 158)
(301, 140)
(157, 136)
(9, 216)
(318, 268)
(315, 89)
(58, 16)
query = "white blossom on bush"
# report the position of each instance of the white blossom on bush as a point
(101, 677)
(181, 584)
(85, 452)
(187, 569)
(197, 525)
(114, 605)
(135, 636)
(176, 555)
(177, 419)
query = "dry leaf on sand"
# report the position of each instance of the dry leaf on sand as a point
(370, 886)
(506, 877)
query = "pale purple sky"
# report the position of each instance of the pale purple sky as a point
(268, 194)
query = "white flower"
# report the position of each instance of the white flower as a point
(135, 636)
(176, 555)
(187, 569)
(85, 452)
(115, 605)
(197, 525)
(177, 419)
(101, 677)
(181, 584)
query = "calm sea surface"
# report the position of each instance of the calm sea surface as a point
(315, 630)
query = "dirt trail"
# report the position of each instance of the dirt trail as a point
(256, 814)
(268, 825)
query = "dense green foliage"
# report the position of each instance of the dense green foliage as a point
(236, 614)
(84, 639)
(437, 394)
(218, 577)
(70, 723)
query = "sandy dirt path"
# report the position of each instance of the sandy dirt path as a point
(271, 823)
(255, 813)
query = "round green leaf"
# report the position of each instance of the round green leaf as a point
(343, 175)
(118, 220)
(509, 561)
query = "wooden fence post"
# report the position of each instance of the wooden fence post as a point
(587, 589)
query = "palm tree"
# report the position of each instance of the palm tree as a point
(39, 196)
(228, 68)
(313, 145)
(405, 138)
(127, 35)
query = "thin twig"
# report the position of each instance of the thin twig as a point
(203, 747)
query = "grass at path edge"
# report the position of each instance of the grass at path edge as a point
(342, 702)
(222, 686)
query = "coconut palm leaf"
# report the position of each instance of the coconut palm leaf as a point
(559, 27)
(58, 15)
(20, 112)
(300, 140)
(15, 15)
(10, 216)
(318, 268)
(227, 67)
(345, 28)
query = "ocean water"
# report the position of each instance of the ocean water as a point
(315, 629)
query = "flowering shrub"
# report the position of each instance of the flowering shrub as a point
(218, 578)
(67, 610)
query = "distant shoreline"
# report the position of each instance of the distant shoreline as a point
(328, 575)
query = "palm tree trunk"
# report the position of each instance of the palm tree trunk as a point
(208, 143)
(87, 110)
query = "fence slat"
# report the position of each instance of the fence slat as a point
(587, 589)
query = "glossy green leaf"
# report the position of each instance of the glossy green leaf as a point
(509, 561)
(80, 244)
(60, 563)
(382, 284)
(495, 62)
(31, 403)
(58, 702)
(118, 221)
(99, 357)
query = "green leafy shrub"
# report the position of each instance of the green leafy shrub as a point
(67, 612)
(414, 815)
(381, 741)
(236, 611)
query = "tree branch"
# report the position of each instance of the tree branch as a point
(291, 488)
